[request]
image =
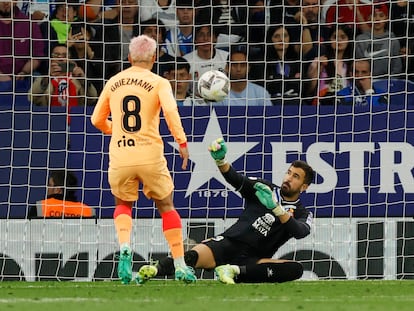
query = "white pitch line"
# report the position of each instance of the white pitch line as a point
(71, 299)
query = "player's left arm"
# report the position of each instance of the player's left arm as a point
(299, 227)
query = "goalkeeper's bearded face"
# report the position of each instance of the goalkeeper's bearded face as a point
(293, 182)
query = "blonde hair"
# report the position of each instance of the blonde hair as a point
(142, 48)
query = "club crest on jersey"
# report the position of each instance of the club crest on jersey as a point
(289, 208)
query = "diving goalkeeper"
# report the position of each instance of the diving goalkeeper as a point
(272, 215)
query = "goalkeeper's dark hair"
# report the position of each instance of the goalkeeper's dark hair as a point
(68, 181)
(309, 172)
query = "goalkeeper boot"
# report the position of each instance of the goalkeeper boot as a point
(125, 264)
(146, 273)
(185, 274)
(225, 274)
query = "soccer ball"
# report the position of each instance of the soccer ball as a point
(213, 86)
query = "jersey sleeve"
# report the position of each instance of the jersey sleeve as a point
(234, 178)
(170, 111)
(101, 113)
(300, 227)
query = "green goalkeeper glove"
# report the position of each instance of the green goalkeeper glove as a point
(218, 151)
(269, 198)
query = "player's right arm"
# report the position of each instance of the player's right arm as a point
(184, 154)
(100, 114)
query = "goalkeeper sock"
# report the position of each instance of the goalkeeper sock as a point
(165, 266)
(123, 224)
(270, 272)
(172, 229)
(191, 258)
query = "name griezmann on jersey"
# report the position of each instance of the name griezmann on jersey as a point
(130, 81)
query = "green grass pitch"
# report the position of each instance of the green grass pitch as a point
(207, 295)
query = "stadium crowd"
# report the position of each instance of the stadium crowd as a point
(300, 51)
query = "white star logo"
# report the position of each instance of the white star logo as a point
(204, 166)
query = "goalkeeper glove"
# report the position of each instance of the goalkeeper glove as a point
(218, 151)
(269, 198)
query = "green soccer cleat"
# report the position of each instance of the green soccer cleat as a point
(146, 273)
(185, 274)
(225, 274)
(125, 264)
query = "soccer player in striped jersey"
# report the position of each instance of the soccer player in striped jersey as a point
(134, 97)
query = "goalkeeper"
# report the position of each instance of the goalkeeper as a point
(272, 215)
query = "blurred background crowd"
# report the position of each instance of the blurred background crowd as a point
(304, 52)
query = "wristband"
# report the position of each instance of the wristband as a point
(183, 145)
(279, 211)
(221, 162)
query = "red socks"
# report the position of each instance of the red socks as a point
(172, 228)
(123, 223)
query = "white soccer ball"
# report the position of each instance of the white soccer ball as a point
(213, 86)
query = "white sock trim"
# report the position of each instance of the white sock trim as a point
(179, 262)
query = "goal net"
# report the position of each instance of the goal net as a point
(358, 138)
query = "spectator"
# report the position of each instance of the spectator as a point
(329, 72)
(409, 61)
(206, 56)
(401, 12)
(163, 10)
(155, 29)
(283, 11)
(307, 40)
(96, 10)
(243, 92)
(179, 40)
(380, 45)
(21, 48)
(361, 91)
(256, 27)
(65, 85)
(61, 201)
(228, 17)
(354, 13)
(37, 10)
(117, 33)
(402, 25)
(58, 29)
(180, 79)
(281, 69)
(87, 54)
